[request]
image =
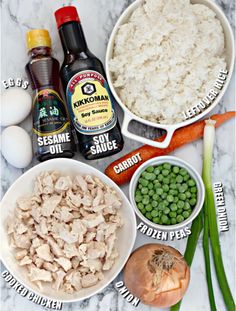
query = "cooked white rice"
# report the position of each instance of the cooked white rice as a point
(166, 58)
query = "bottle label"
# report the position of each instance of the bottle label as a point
(51, 126)
(90, 103)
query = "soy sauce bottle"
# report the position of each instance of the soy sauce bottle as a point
(52, 136)
(89, 99)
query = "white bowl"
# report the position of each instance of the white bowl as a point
(192, 172)
(169, 128)
(24, 186)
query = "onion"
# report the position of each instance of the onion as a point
(157, 274)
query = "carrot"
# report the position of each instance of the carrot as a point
(122, 169)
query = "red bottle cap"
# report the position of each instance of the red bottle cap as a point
(66, 14)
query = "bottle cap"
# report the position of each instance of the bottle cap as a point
(38, 37)
(66, 14)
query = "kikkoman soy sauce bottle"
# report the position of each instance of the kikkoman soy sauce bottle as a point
(52, 136)
(89, 99)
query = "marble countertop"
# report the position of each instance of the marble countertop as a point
(98, 18)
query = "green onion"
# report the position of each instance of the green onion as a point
(208, 139)
(210, 228)
(206, 175)
(196, 229)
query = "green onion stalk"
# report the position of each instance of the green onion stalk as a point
(209, 134)
(210, 228)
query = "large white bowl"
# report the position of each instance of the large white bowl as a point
(170, 128)
(24, 186)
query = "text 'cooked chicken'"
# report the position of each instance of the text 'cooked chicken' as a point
(65, 232)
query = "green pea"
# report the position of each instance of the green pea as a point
(185, 214)
(153, 176)
(173, 207)
(160, 177)
(156, 220)
(165, 172)
(144, 190)
(165, 202)
(164, 195)
(148, 207)
(186, 177)
(183, 171)
(176, 199)
(188, 194)
(154, 213)
(176, 169)
(157, 185)
(179, 218)
(186, 206)
(156, 171)
(172, 214)
(140, 186)
(148, 176)
(161, 206)
(148, 215)
(193, 202)
(164, 219)
(150, 169)
(173, 186)
(150, 186)
(167, 166)
(168, 222)
(185, 186)
(172, 192)
(143, 174)
(170, 198)
(159, 191)
(166, 211)
(179, 211)
(165, 188)
(166, 180)
(173, 221)
(143, 211)
(144, 182)
(154, 204)
(138, 198)
(160, 167)
(193, 189)
(138, 192)
(151, 192)
(191, 182)
(180, 204)
(178, 185)
(145, 201)
(140, 205)
(155, 197)
(182, 189)
(179, 179)
(182, 196)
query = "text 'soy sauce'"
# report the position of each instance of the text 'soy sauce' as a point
(89, 99)
(51, 127)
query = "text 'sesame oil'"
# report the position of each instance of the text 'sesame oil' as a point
(51, 127)
(89, 99)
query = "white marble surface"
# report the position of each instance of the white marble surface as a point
(98, 18)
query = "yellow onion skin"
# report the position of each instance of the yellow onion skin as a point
(139, 277)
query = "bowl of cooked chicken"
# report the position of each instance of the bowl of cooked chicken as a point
(67, 230)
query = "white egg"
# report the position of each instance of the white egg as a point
(16, 105)
(16, 146)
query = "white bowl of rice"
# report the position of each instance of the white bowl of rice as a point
(163, 61)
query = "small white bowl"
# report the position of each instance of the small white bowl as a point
(24, 186)
(193, 173)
